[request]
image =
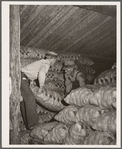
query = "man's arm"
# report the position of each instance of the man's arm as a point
(68, 84)
(42, 74)
(81, 79)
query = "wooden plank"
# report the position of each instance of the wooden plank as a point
(86, 35)
(102, 32)
(24, 9)
(102, 44)
(51, 28)
(84, 26)
(107, 49)
(27, 13)
(107, 30)
(39, 22)
(65, 27)
(99, 51)
(15, 72)
(104, 28)
(97, 40)
(109, 10)
(68, 37)
(30, 22)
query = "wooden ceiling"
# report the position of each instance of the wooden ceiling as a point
(88, 30)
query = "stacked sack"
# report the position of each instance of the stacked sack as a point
(49, 99)
(50, 133)
(96, 109)
(88, 119)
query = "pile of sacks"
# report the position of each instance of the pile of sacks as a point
(89, 118)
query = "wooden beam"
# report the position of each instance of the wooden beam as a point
(109, 10)
(14, 73)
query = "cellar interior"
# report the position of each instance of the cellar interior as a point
(80, 34)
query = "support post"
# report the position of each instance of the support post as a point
(14, 73)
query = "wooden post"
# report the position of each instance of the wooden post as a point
(14, 73)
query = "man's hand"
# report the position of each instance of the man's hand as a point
(32, 84)
(21, 98)
(40, 90)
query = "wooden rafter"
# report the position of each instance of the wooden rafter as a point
(109, 10)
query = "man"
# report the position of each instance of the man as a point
(33, 71)
(73, 77)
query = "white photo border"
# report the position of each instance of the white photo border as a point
(5, 71)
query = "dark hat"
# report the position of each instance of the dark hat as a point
(70, 64)
(51, 55)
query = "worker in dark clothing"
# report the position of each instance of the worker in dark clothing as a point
(33, 71)
(73, 77)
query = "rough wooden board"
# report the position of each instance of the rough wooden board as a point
(15, 72)
(70, 29)
(109, 10)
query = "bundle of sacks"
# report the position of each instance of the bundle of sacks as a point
(89, 118)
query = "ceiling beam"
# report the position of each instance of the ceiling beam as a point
(109, 10)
